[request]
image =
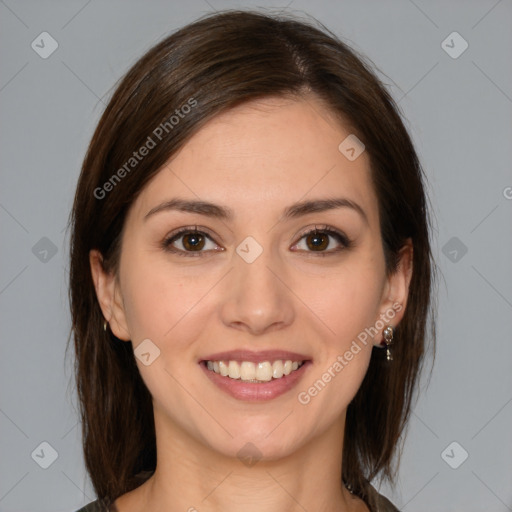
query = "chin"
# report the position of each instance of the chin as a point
(265, 441)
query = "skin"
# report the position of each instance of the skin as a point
(256, 159)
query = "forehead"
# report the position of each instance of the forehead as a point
(261, 155)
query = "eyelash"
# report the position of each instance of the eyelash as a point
(324, 229)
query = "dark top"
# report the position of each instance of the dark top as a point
(375, 502)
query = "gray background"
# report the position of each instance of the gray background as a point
(459, 113)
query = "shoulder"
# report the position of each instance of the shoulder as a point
(377, 502)
(95, 506)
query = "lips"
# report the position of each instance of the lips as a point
(266, 386)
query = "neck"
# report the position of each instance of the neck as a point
(191, 477)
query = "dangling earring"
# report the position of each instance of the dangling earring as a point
(105, 325)
(388, 338)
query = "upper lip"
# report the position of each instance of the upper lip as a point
(255, 357)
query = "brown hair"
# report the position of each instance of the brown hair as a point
(216, 63)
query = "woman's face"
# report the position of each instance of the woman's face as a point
(253, 284)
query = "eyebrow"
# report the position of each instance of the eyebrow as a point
(224, 213)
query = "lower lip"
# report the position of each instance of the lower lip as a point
(256, 392)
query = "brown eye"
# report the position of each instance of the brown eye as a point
(189, 242)
(193, 241)
(323, 241)
(317, 241)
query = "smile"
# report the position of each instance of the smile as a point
(255, 376)
(248, 371)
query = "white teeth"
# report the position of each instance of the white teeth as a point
(233, 370)
(248, 371)
(277, 369)
(223, 367)
(264, 371)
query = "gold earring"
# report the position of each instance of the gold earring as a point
(104, 325)
(388, 338)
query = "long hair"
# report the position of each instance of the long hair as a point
(218, 62)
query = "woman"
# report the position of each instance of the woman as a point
(250, 275)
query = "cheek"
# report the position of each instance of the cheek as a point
(160, 304)
(166, 308)
(348, 308)
(351, 302)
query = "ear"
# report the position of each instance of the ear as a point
(396, 291)
(109, 296)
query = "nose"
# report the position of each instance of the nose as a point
(258, 299)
